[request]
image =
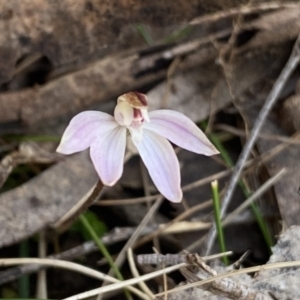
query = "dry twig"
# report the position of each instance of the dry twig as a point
(223, 287)
(68, 266)
(122, 255)
(136, 274)
(172, 259)
(28, 153)
(270, 266)
(242, 10)
(270, 101)
(244, 205)
(126, 283)
(84, 249)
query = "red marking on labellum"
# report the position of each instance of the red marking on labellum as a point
(137, 116)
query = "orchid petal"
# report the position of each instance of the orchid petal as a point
(160, 159)
(107, 154)
(180, 130)
(83, 129)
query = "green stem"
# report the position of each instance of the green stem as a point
(216, 202)
(254, 207)
(173, 37)
(262, 225)
(144, 33)
(103, 250)
(23, 282)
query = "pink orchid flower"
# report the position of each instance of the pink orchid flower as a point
(149, 132)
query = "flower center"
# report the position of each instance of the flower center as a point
(138, 118)
(129, 116)
(131, 112)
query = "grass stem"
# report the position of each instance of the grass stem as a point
(216, 203)
(23, 282)
(103, 250)
(254, 207)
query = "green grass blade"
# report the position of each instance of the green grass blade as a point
(144, 33)
(173, 37)
(23, 282)
(103, 250)
(216, 203)
(254, 207)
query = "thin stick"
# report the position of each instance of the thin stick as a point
(126, 283)
(265, 136)
(240, 209)
(184, 215)
(81, 250)
(68, 266)
(206, 180)
(253, 197)
(270, 101)
(122, 255)
(244, 10)
(129, 201)
(91, 196)
(260, 220)
(136, 274)
(286, 264)
(173, 259)
(185, 188)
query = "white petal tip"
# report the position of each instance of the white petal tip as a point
(109, 184)
(175, 198)
(64, 150)
(60, 150)
(214, 152)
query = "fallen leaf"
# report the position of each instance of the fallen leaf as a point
(28, 153)
(44, 199)
(70, 31)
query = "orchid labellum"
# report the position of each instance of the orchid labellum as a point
(106, 136)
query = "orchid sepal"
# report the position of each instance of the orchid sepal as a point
(181, 131)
